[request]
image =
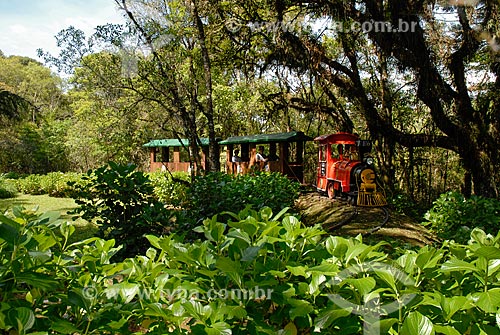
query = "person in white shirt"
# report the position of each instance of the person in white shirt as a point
(261, 159)
(237, 160)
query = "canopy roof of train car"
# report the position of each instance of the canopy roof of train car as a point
(338, 138)
(173, 142)
(292, 136)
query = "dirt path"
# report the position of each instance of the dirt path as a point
(315, 208)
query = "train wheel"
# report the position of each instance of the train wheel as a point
(331, 190)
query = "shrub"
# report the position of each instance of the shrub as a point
(404, 204)
(121, 202)
(219, 192)
(30, 185)
(54, 184)
(452, 216)
(7, 188)
(170, 189)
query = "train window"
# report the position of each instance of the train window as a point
(337, 150)
(353, 153)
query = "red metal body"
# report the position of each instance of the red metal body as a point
(336, 159)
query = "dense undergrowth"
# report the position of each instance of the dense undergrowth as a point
(453, 216)
(257, 273)
(213, 257)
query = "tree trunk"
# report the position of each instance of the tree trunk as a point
(213, 149)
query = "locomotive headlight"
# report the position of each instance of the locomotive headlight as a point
(369, 161)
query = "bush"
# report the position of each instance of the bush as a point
(453, 217)
(404, 204)
(7, 188)
(170, 189)
(30, 184)
(54, 184)
(219, 192)
(122, 203)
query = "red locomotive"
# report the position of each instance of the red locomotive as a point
(345, 168)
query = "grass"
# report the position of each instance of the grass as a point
(45, 203)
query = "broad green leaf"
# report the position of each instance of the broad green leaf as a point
(127, 291)
(385, 325)
(298, 270)
(417, 324)
(45, 241)
(235, 311)
(50, 216)
(299, 308)
(250, 253)
(118, 324)
(38, 280)
(241, 235)
(230, 268)
(280, 214)
(80, 299)
(218, 328)
(336, 246)
(157, 310)
(493, 266)
(316, 280)
(326, 317)
(64, 327)
(488, 252)
(429, 259)
(362, 285)
(9, 230)
(478, 235)
(279, 274)
(197, 310)
(387, 276)
(290, 329)
(454, 304)
(23, 318)
(455, 264)
(488, 301)
(446, 330)
(327, 269)
(227, 265)
(217, 231)
(266, 213)
(354, 251)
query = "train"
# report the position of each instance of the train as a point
(345, 166)
(345, 169)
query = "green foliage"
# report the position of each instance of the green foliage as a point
(54, 184)
(403, 203)
(219, 192)
(171, 189)
(121, 201)
(7, 188)
(32, 126)
(453, 216)
(258, 273)
(42, 275)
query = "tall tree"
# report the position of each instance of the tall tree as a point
(32, 111)
(446, 62)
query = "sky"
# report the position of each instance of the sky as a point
(27, 25)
